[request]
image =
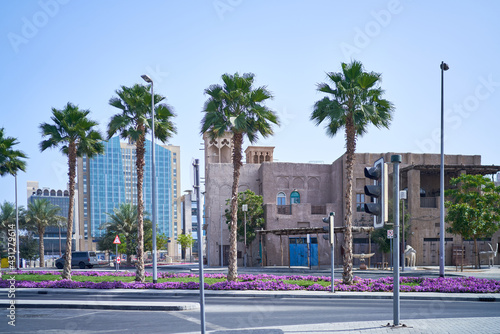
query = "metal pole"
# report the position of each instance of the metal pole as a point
(153, 175)
(444, 67)
(403, 240)
(153, 183)
(60, 254)
(17, 227)
(332, 255)
(396, 160)
(245, 242)
(200, 245)
(221, 255)
(116, 258)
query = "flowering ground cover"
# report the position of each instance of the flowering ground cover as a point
(263, 282)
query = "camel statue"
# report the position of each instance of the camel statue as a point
(410, 255)
(489, 255)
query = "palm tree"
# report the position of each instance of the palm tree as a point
(10, 160)
(41, 213)
(8, 218)
(76, 136)
(133, 123)
(123, 221)
(238, 108)
(356, 102)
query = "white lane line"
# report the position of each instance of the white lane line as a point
(196, 321)
(81, 315)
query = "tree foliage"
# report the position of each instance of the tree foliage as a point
(473, 210)
(28, 247)
(255, 215)
(11, 160)
(185, 240)
(41, 213)
(123, 222)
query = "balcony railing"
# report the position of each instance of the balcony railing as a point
(318, 209)
(428, 202)
(284, 209)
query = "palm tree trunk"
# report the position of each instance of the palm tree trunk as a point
(66, 274)
(140, 151)
(129, 251)
(350, 132)
(41, 247)
(232, 271)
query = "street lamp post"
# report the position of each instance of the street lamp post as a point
(245, 209)
(153, 176)
(17, 227)
(444, 67)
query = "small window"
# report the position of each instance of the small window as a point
(281, 198)
(294, 197)
(360, 202)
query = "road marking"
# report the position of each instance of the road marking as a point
(81, 315)
(197, 321)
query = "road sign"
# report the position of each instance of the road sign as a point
(117, 240)
(118, 260)
(390, 234)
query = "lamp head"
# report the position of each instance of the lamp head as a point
(146, 78)
(444, 66)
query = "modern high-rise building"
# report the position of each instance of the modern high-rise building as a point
(107, 180)
(54, 238)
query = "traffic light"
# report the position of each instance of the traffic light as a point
(378, 191)
(329, 228)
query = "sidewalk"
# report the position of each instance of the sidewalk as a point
(414, 326)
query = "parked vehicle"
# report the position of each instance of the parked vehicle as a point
(80, 259)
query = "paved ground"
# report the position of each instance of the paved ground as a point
(424, 326)
(463, 325)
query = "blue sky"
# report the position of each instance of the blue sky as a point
(59, 51)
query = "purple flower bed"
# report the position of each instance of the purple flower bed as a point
(266, 282)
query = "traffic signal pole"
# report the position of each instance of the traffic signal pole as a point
(396, 160)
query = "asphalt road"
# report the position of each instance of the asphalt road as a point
(232, 313)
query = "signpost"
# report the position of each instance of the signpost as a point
(390, 236)
(117, 242)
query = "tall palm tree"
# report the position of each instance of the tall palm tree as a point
(237, 107)
(76, 135)
(133, 123)
(356, 102)
(41, 213)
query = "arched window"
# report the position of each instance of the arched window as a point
(281, 198)
(294, 197)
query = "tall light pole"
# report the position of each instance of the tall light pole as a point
(153, 175)
(444, 67)
(244, 207)
(17, 227)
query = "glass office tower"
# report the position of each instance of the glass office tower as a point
(113, 180)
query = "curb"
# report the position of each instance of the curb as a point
(103, 305)
(27, 292)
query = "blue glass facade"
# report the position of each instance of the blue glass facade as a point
(113, 180)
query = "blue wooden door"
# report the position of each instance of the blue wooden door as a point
(299, 252)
